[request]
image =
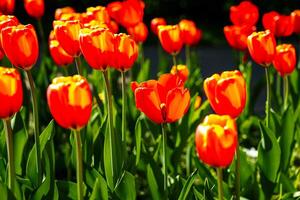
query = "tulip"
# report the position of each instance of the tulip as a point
(139, 32)
(170, 38)
(197, 103)
(188, 31)
(157, 22)
(58, 54)
(285, 59)
(296, 21)
(11, 93)
(34, 8)
(245, 13)
(237, 36)
(113, 26)
(226, 93)
(97, 46)
(73, 96)
(162, 101)
(261, 46)
(20, 45)
(67, 33)
(99, 13)
(279, 25)
(7, 6)
(65, 10)
(181, 70)
(5, 21)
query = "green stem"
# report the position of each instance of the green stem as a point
(10, 155)
(42, 34)
(36, 126)
(79, 165)
(123, 107)
(174, 60)
(188, 160)
(268, 101)
(286, 91)
(220, 180)
(78, 65)
(237, 172)
(164, 137)
(188, 56)
(141, 51)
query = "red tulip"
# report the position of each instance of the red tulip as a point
(237, 36)
(99, 13)
(261, 46)
(188, 31)
(285, 59)
(162, 101)
(182, 71)
(170, 38)
(245, 13)
(216, 140)
(58, 54)
(70, 101)
(65, 10)
(157, 22)
(296, 21)
(139, 32)
(5, 21)
(7, 6)
(20, 45)
(34, 8)
(113, 26)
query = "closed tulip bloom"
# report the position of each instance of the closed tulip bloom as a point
(139, 32)
(261, 46)
(126, 52)
(162, 101)
(237, 36)
(188, 31)
(216, 140)
(70, 101)
(197, 37)
(5, 21)
(279, 25)
(245, 13)
(7, 6)
(65, 10)
(11, 93)
(157, 22)
(296, 21)
(98, 13)
(285, 59)
(67, 33)
(34, 8)
(170, 38)
(20, 45)
(97, 46)
(181, 70)
(226, 93)
(58, 54)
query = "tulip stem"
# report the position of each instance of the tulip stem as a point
(220, 180)
(164, 138)
(79, 165)
(141, 51)
(237, 172)
(188, 56)
(10, 155)
(174, 60)
(286, 91)
(78, 65)
(268, 102)
(42, 34)
(123, 107)
(36, 126)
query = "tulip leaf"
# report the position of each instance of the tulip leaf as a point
(5, 192)
(138, 139)
(67, 190)
(126, 187)
(153, 184)
(187, 186)
(268, 153)
(144, 73)
(100, 190)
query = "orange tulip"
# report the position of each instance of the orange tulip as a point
(98, 13)
(5, 21)
(261, 46)
(7, 6)
(216, 140)
(181, 70)
(285, 59)
(170, 38)
(188, 31)
(11, 93)
(226, 93)
(67, 33)
(245, 13)
(237, 36)
(113, 26)
(197, 37)
(162, 101)
(197, 103)
(279, 25)
(139, 32)
(34, 8)
(157, 22)
(97, 46)
(126, 52)
(58, 54)
(65, 10)
(72, 95)
(296, 21)
(20, 45)
(71, 16)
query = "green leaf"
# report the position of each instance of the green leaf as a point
(144, 72)
(187, 186)
(6, 194)
(138, 139)
(268, 153)
(100, 190)
(67, 190)
(153, 184)
(126, 188)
